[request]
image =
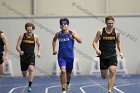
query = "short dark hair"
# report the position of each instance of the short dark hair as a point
(64, 19)
(29, 24)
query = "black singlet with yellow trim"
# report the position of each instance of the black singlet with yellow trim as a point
(107, 44)
(28, 44)
(1, 43)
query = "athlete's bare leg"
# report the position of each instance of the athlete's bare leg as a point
(31, 73)
(104, 73)
(24, 73)
(112, 72)
(69, 75)
(1, 70)
(63, 78)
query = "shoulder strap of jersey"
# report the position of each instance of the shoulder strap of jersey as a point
(103, 30)
(114, 30)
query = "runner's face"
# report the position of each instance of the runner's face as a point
(64, 26)
(110, 23)
(29, 29)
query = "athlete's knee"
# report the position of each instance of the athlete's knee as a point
(31, 68)
(69, 73)
(63, 72)
(112, 72)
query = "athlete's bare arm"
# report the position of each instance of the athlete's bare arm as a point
(119, 44)
(76, 36)
(96, 39)
(4, 39)
(38, 45)
(54, 43)
(18, 45)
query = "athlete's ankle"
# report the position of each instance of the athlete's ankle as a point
(63, 89)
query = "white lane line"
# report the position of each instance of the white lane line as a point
(96, 83)
(15, 88)
(11, 91)
(115, 87)
(81, 88)
(47, 89)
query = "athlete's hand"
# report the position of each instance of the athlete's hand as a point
(54, 52)
(21, 53)
(121, 55)
(38, 55)
(98, 52)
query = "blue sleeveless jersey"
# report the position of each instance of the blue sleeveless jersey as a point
(66, 44)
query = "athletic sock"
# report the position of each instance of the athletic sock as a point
(68, 83)
(30, 83)
(63, 89)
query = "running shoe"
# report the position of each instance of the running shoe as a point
(29, 89)
(68, 86)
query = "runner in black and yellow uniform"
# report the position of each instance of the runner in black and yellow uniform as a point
(107, 46)
(3, 48)
(28, 58)
(108, 38)
(25, 47)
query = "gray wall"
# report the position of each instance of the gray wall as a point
(67, 7)
(86, 27)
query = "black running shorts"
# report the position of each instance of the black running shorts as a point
(105, 63)
(26, 60)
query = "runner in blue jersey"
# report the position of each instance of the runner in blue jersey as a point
(66, 39)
